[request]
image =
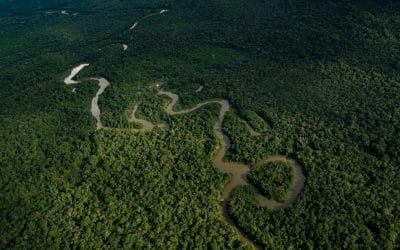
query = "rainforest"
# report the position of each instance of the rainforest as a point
(214, 124)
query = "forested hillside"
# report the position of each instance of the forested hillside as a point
(318, 81)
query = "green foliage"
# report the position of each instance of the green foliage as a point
(318, 79)
(273, 179)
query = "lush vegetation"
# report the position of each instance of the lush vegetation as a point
(319, 80)
(273, 179)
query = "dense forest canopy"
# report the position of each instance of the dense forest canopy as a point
(273, 179)
(319, 81)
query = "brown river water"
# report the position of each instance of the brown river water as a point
(237, 170)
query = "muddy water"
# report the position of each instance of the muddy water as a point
(68, 80)
(146, 124)
(295, 189)
(103, 84)
(239, 171)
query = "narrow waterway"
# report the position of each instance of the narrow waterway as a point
(145, 17)
(103, 84)
(237, 170)
(69, 79)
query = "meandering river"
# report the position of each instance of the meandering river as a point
(68, 80)
(238, 171)
(103, 84)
